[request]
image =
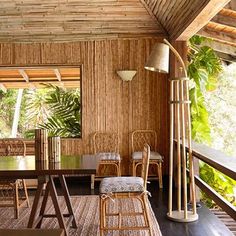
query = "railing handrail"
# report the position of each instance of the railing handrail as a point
(215, 158)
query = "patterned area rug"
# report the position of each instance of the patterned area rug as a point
(86, 209)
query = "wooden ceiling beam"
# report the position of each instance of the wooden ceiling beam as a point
(198, 19)
(229, 39)
(226, 57)
(227, 12)
(226, 19)
(221, 28)
(221, 47)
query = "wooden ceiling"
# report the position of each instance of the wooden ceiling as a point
(34, 77)
(222, 29)
(73, 20)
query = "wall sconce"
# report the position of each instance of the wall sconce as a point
(126, 75)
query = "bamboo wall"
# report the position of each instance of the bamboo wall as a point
(108, 103)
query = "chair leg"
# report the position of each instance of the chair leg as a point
(25, 192)
(118, 169)
(102, 216)
(16, 200)
(160, 175)
(133, 168)
(92, 181)
(147, 214)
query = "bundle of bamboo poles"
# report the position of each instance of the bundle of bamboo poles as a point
(180, 128)
(54, 149)
(41, 145)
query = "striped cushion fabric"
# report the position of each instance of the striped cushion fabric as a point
(121, 184)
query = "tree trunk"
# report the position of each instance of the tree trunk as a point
(17, 113)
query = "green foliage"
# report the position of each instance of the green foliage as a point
(203, 70)
(64, 119)
(204, 67)
(218, 181)
(7, 106)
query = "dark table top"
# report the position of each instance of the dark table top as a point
(26, 167)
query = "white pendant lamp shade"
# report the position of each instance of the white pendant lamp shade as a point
(126, 75)
(159, 58)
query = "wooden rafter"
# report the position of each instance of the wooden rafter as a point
(226, 17)
(221, 28)
(224, 51)
(3, 88)
(221, 47)
(24, 75)
(231, 5)
(32, 77)
(58, 74)
(198, 19)
(218, 36)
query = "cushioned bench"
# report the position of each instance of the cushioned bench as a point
(32, 232)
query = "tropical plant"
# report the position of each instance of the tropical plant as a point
(218, 181)
(65, 117)
(37, 108)
(203, 70)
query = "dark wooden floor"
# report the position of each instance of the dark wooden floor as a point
(207, 225)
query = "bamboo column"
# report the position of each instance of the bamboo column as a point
(41, 145)
(179, 102)
(54, 149)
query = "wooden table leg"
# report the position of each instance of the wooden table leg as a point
(67, 199)
(43, 206)
(54, 197)
(36, 202)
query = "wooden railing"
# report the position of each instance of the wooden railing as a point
(222, 163)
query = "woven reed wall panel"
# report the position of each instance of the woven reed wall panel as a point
(108, 103)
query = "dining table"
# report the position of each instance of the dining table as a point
(26, 167)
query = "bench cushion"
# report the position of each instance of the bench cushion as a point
(121, 184)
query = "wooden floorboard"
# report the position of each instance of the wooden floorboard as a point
(207, 225)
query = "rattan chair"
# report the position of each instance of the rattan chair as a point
(121, 188)
(138, 139)
(13, 192)
(106, 148)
